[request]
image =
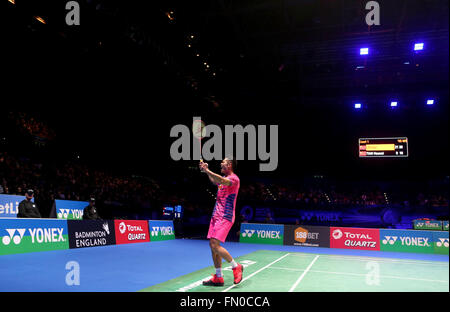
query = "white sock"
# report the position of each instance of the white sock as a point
(233, 264)
(219, 272)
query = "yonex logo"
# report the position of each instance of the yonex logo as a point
(63, 214)
(389, 239)
(337, 234)
(15, 238)
(122, 227)
(248, 233)
(155, 230)
(163, 230)
(442, 241)
(39, 235)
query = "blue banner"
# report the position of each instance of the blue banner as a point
(70, 210)
(9, 205)
(30, 235)
(262, 233)
(161, 230)
(407, 241)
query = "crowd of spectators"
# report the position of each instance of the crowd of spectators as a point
(75, 181)
(351, 195)
(31, 125)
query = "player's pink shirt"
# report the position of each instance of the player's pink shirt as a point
(226, 199)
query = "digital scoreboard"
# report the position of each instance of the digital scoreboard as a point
(175, 212)
(383, 147)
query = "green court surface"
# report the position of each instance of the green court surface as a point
(278, 271)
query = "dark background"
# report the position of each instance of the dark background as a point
(113, 87)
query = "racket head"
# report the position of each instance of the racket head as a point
(198, 129)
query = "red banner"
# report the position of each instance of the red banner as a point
(354, 238)
(131, 231)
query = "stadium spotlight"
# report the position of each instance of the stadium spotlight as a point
(418, 46)
(364, 51)
(358, 105)
(394, 103)
(430, 102)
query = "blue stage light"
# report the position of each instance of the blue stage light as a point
(430, 102)
(364, 51)
(394, 104)
(418, 46)
(358, 105)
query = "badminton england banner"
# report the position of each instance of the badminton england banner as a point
(69, 209)
(262, 233)
(161, 230)
(30, 235)
(91, 233)
(9, 205)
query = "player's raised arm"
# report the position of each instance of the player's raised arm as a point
(214, 177)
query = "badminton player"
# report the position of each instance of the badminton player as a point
(222, 219)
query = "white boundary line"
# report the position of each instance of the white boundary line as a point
(359, 274)
(263, 268)
(303, 274)
(407, 261)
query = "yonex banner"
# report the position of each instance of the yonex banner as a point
(131, 231)
(305, 235)
(69, 209)
(440, 241)
(30, 235)
(427, 225)
(407, 241)
(355, 238)
(91, 233)
(9, 205)
(262, 233)
(161, 230)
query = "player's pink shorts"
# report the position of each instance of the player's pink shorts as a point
(219, 228)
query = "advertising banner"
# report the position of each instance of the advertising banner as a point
(406, 241)
(161, 230)
(427, 225)
(440, 241)
(91, 233)
(305, 235)
(131, 231)
(355, 238)
(262, 233)
(30, 235)
(9, 205)
(445, 225)
(69, 209)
